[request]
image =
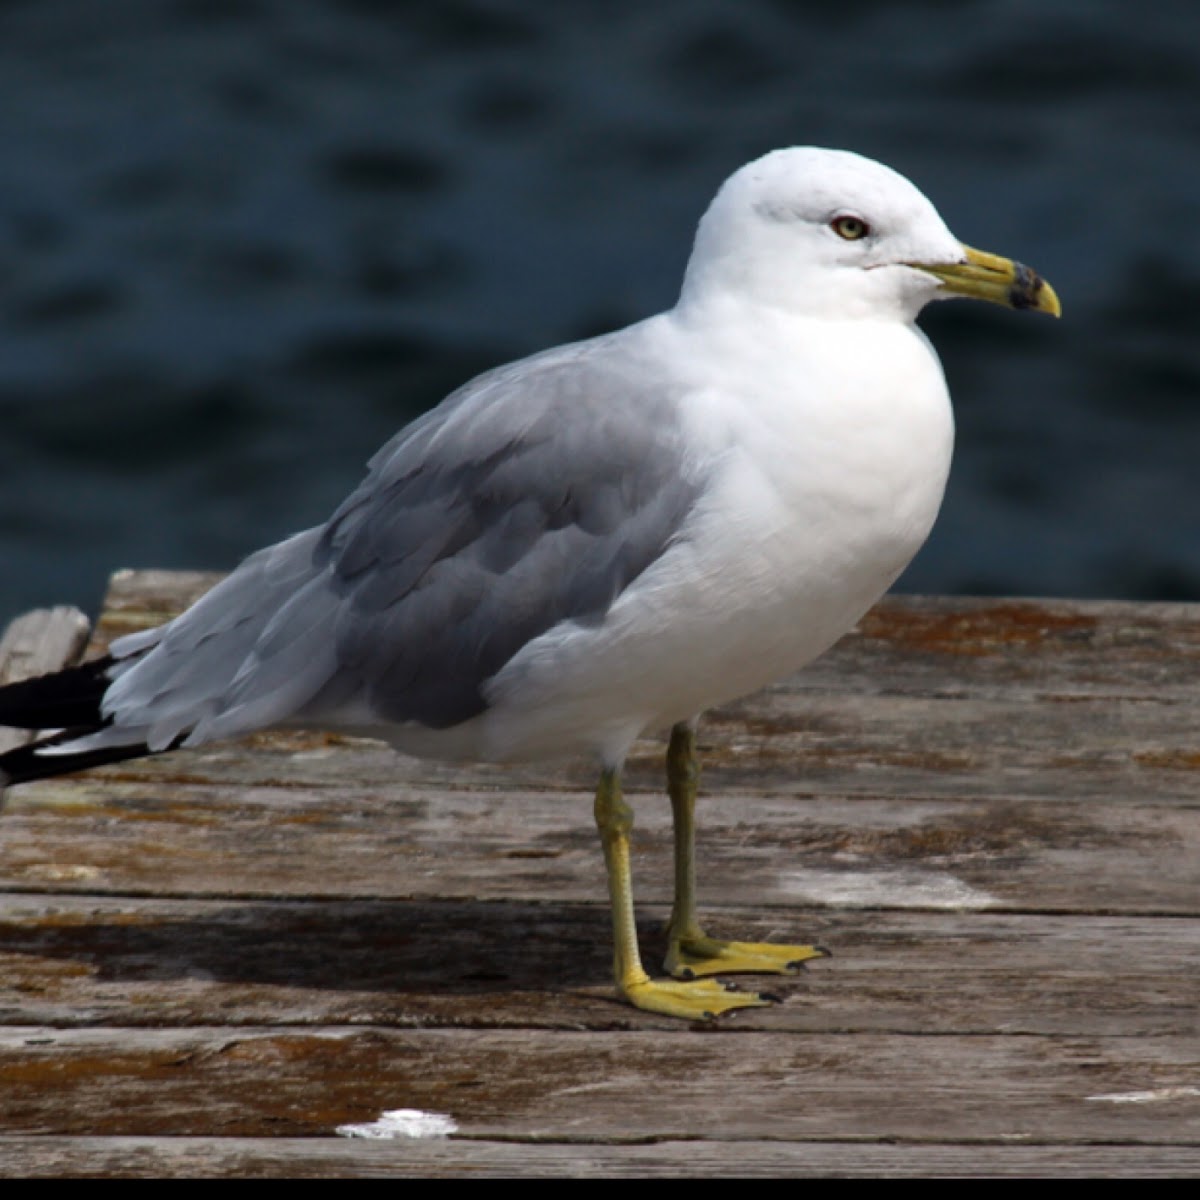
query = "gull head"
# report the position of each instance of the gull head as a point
(832, 235)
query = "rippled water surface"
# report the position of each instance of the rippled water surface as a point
(241, 243)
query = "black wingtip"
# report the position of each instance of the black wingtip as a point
(66, 699)
(25, 764)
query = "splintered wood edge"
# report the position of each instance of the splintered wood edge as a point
(44, 640)
(36, 643)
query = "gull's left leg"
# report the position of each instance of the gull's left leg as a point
(691, 952)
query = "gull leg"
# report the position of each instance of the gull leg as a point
(694, 1000)
(691, 952)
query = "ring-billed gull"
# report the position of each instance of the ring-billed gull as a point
(603, 539)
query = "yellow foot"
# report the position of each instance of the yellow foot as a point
(693, 956)
(694, 1001)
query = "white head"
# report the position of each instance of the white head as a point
(827, 233)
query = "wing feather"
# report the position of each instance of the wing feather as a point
(532, 496)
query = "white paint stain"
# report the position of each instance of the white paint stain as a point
(1151, 1097)
(403, 1123)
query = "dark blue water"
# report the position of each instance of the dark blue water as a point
(241, 243)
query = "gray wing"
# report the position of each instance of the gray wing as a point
(534, 495)
(536, 498)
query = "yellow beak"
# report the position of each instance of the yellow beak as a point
(999, 280)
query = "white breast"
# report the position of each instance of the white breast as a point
(813, 510)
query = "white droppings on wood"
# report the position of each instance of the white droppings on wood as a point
(895, 889)
(403, 1123)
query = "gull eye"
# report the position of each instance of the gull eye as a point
(850, 228)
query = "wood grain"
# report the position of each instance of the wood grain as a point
(988, 809)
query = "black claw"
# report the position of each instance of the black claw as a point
(770, 997)
(687, 973)
(801, 964)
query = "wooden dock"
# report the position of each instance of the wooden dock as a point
(988, 810)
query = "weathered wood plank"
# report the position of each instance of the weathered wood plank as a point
(83, 961)
(957, 646)
(107, 833)
(799, 743)
(551, 1086)
(34, 644)
(222, 1157)
(41, 641)
(990, 809)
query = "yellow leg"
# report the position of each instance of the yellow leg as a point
(691, 952)
(692, 1000)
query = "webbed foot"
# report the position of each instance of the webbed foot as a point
(696, 955)
(695, 1000)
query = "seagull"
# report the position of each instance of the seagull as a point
(601, 540)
